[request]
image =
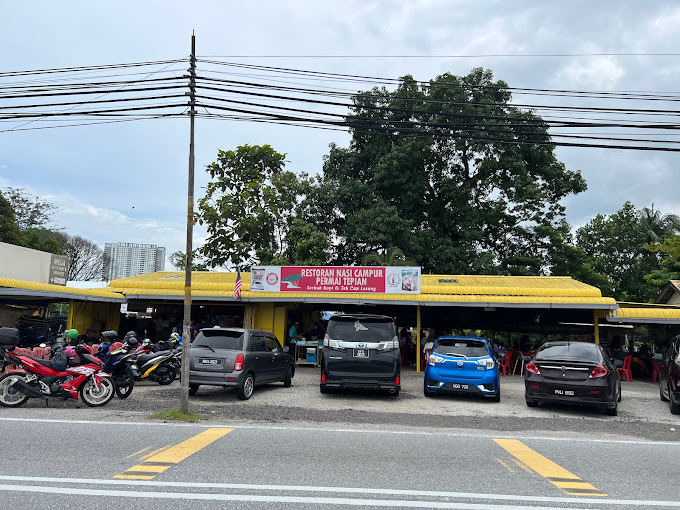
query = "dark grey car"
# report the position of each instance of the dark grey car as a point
(238, 358)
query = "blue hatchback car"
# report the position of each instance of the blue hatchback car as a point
(462, 364)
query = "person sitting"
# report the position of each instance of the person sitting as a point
(498, 350)
(316, 333)
(617, 355)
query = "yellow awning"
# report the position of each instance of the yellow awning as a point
(643, 315)
(437, 290)
(21, 289)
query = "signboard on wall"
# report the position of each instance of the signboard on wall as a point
(364, 279)
(58, 270)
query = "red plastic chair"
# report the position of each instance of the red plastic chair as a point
(626, 370)
(655, 370)
(13, 368)
(504, 364)
(41, 352)
(115, 345)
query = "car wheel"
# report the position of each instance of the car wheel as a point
(245, 391)
(675, 408)
(619, 399)
(289, 378)
(663, 397)
(612, 411)
(497, 396)
(193, 389)
(532, 403)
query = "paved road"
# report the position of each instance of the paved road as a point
(67, 464)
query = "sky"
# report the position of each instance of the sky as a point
(127, 182)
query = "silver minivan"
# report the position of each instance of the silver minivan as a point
(238, 358)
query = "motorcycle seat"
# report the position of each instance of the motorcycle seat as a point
(143, 358)
(43, 362)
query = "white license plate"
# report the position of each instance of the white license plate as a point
(209, 361)
(361, 353)
(566, 393)
(457, 386)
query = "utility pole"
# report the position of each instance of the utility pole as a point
(186, 329)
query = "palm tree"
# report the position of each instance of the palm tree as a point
(657, 226)
(392, 257)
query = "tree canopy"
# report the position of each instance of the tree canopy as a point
(454, 203)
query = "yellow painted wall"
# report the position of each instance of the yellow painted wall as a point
(82, 313)
(270, 317)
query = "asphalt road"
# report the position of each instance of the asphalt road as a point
(98, 464)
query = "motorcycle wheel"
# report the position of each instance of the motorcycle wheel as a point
(95, 396)
(125, 382)
(9, 397)
(167, 376)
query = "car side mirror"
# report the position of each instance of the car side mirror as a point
(286, 349)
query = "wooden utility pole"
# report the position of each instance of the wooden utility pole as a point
(186, 330)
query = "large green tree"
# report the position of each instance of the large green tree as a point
(617, 247)
(249, 210)
(451, 173)
(9, 231)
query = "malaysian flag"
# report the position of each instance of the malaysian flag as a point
(237, 285)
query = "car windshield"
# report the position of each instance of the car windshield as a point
(219, 339)
(361, 329)
(573, 351)
(463, 348)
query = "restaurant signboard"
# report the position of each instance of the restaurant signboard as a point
(361, 279)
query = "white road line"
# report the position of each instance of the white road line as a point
(433, 433)
(335, 490)
(252, 498)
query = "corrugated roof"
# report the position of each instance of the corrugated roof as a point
(440, 290)
(641, 315)
(23, 289)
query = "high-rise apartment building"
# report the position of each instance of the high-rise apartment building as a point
(132, 259)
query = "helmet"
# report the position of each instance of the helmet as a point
(132, 342)
(72, 334)
(130, 334)
(110, 336)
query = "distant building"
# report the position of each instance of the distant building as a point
(131, 259)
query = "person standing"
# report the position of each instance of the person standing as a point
(293, 337)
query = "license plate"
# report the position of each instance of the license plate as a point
(209, 361)
(361, 353)
(457, 386)
(566, 393)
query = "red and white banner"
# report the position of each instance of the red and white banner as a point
(369, 279)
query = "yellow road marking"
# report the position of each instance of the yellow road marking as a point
(506, 465)
(137, 453)
(524, 467)
(554, 473)
(164, 460)
(159, 450)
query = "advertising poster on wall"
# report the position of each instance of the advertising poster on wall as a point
(360, 279)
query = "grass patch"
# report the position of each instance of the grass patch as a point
(175, 414)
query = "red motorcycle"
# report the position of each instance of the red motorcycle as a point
(41, 380)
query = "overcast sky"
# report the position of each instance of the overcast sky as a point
(127, 182)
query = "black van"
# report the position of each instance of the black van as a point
(361, 351)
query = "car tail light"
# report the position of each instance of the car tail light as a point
(238, 364)
(323, 377)
(599, 371)
(532, 368)
(326, 339)
(390, 345)
(486, 362)
(434, 359)
(397, 380)
(329, 342)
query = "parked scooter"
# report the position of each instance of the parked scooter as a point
(121, 364)
(51, 378)
(156, 366)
